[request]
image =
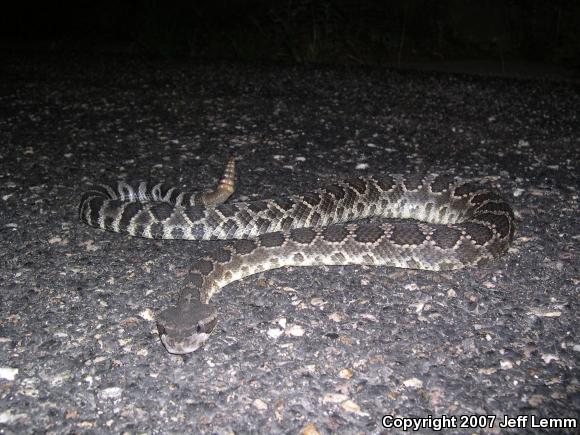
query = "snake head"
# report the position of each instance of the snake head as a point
(184, 329)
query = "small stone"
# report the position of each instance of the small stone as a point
(506, 365)
(548, 357)
(90, 246)
(295, 331)
(111, 393)
(274, 332)
(310, 429)
(317, 302)
(8, 373)
(345, 374)
(369, 317)
(544, 313)
(418, 306)
(71, 414)
(8, 417)
(536, 400)
(393, 395)
(350, 406)
(334, 398)
(147, 314)
(335, 317)
(260, 404)
(346, 340)
(413, 383)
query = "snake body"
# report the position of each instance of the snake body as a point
(439, 223)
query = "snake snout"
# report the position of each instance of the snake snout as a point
(185, 328)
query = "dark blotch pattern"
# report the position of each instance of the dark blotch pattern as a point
(285, 203)
(258, 206)
(501, 222)
(413, 181)
(131, 209)
(95, 209)
(174, 194)
(407, 233)
(143, 218)
(194, 214)
(311, 198)
(177, 232)
(244, 246)
(270, 240)
(160, 211)
(466, 189)
(303, 236)
(228, 210)
(335, 233)
(483, 214)
(368, 233)
(373, 194)
(336, 191)
(357, 184)
(221, 255)
(479, 233)
(467, 252)
(446, 237)
(386, 183)
(156, 230)
(108, 222)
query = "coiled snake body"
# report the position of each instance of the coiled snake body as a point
(461, 224)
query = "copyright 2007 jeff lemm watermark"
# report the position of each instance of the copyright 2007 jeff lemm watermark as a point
(477, 422)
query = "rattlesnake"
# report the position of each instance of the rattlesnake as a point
(462, 224)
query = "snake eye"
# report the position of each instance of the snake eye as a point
(198, 329)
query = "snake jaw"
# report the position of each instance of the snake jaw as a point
(184, 329)
(184, 345)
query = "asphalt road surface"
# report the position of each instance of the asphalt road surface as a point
(313, 350)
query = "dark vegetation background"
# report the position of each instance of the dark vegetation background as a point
(303, 31)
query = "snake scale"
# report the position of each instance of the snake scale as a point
(435, 222)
